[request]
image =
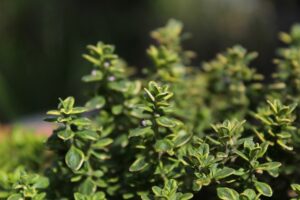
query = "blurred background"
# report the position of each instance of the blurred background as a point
(41, 42)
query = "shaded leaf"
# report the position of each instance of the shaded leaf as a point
(102, 143)
(181, 138)
(87, 187)
(140, 132)
(269, 166)
(163, 145)
(96, 102)
(138, 165)
(165, 122)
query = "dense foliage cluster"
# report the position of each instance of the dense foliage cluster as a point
(180, 132)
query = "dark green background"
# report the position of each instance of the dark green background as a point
(41, 41)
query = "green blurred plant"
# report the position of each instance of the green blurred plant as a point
(286, 84)
(22, 148)
(230, 78)
(19, 185)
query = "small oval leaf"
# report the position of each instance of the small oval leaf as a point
(102, 143)
(74, 158)
(263, 188)
(139, 132)
(65, 134)
(165, 122)
(227, 194)
(269, 166)
(138, 165)
(81, 121)
(95, 103)
(88, 135)
(223, 173)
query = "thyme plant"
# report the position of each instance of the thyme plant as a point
(177, 132)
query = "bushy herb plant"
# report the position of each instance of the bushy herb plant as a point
(174, 131)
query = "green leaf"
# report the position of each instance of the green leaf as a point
(15, 197)
(199, 183)
(116, 110)
(95, 76)
(128, 196)
(153, 87)
(74, 158)
(165, 122)
(68, 104)
(156, 190)
(295, 187)
(88, 135)
(81, 122)
(87, 187)
(76, 178)
(186, 196)
(65, 134)
(99, 196)
(41, 182)
(241, 154)
(163, 145)
(151, 97)
(91, 59)
(78, 196)
(100, 156)
(140, 132)
(145, 108)
(223, 173)
(53, 112)
(138, 165)
(227, 194)
(40, 196)
(98, 173)
(145, 197)
(264, 147)
(263, 188)
(119, 86)
(249, 194)
(102, 143)
(284, 135)
(269, 166)
(181, 138)
(96, 102)
(78, 110)
(283, 145)
(204, 150)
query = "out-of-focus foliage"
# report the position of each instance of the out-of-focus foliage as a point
(191, 133)
(287, 76)
(22, 185)
(21, 148)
